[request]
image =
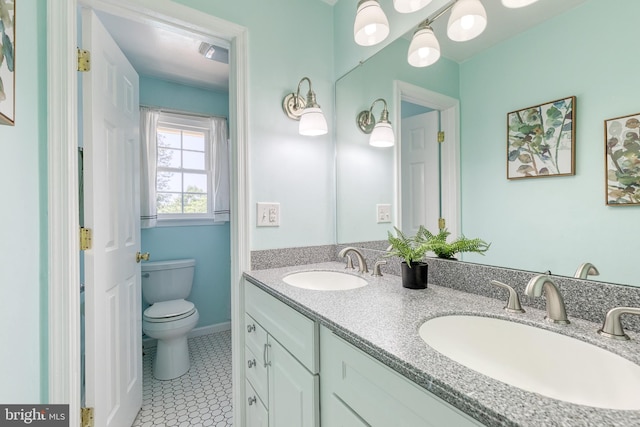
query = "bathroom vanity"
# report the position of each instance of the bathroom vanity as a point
(355, 358)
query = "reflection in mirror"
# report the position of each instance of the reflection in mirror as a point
(555, 223)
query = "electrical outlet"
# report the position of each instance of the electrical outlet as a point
(383, 213)
(268, 214)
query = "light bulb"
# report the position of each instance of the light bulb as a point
(467, 21)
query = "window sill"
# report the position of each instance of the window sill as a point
(188, 222)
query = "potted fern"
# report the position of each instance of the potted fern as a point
(412, 251)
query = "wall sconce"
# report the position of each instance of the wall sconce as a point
(381, 132)
(312, 120)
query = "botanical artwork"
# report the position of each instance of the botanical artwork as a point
(541, 140)
(622, 145)
(7, 61)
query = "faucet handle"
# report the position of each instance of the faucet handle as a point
(513, 304)
(376, 268)
(612, 327)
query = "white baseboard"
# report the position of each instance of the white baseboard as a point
(196, 332)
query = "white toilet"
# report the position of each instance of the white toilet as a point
(165, 285)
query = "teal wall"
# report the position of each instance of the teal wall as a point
(23, 219)
(209, 245)
(552, 223)
(287, 40)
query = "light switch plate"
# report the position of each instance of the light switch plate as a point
(383, 213)
(268, 214)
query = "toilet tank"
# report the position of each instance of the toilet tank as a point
(167, 280)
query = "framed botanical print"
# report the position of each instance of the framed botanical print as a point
(541, 140)
(622, 153)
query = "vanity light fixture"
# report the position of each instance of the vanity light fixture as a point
(408, 6)
(468, 20)
(514, 4)
(309, 113)
(381, 132)
(371, 25)
(207, 50)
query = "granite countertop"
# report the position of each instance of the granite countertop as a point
(383, 318)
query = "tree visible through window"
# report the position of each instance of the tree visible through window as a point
(183, 178)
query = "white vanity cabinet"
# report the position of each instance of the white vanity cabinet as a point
(357, 390)
(282, 363)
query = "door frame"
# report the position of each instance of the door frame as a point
(450, 150)
(63, 198)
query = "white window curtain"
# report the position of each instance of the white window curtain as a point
(219, 159)
(148, 159)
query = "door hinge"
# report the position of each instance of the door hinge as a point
(86, 417)
(85, 238)
(84, 60)
(441, 223)
(441, 136)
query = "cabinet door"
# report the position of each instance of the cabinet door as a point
(293, 391)
(336, 414)
(255, 412)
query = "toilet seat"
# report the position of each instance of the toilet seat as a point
(169, 311)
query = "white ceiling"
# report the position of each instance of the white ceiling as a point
(156, 51)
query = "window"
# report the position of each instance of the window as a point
(184, 175)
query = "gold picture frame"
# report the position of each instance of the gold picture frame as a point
(541, 140)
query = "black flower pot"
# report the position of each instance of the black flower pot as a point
(415, 277)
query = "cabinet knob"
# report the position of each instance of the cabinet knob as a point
(252, 400)
(251, 328)
(251, 363)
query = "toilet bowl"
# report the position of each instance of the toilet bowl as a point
(170, 317)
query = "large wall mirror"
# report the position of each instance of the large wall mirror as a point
(537, 224)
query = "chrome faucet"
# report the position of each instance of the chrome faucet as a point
(513, 304)
(586, 269)
(556, 312)
(362, 264)
(612, 327)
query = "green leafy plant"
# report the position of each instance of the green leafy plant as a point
(405, 247)
(437, 243)
(413, 249)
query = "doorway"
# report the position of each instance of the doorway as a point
(445, 114)
(64, 316)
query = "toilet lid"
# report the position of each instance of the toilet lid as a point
(165, 309)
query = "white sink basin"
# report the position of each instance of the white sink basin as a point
(537, 360)
(324, 280)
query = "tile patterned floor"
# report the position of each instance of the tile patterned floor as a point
(201, 397)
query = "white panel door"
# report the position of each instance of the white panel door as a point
(420, 172)
(293, 391)
(111, 193)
